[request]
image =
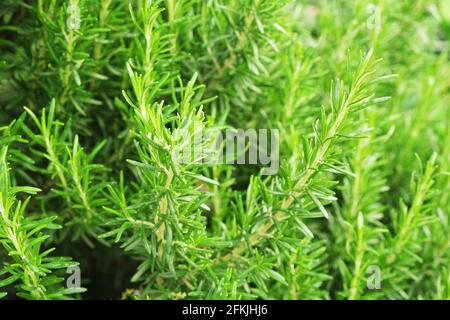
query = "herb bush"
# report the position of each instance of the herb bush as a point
(97, 95)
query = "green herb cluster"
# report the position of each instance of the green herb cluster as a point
(97, 96)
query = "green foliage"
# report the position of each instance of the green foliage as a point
(34, 271)
(99, 98)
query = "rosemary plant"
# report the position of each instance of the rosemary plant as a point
(100, 101)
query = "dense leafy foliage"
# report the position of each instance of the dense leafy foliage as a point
(97, 98)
